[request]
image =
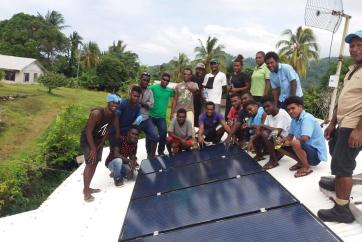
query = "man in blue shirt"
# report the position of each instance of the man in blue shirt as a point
(305, 142)
(283, 79)
(127, 112)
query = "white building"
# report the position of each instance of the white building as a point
(20, 69)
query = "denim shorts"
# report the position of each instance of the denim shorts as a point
(312, 153)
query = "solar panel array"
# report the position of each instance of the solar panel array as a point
(215, 194)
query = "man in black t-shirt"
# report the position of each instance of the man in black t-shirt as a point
(198, 78)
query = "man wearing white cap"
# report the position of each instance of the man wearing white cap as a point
(345, 141)
(215, 83)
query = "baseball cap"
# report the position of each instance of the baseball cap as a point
(214, 61)
(113, 98)
(349, 37)
(200, 65)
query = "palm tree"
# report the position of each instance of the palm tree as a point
(90, 55)
(298, 49)
(205, 53)
(54, 18)
(118, 48)
(178, 65)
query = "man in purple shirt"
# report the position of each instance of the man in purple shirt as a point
(208, 125)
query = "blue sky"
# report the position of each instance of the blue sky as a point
(158, 30)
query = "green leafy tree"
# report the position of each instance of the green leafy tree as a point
(30, 36)
(118, 48)
(90, 55)
(52, 80)
(2, 74)
(210, 50)
(111, 73)
(298, 49)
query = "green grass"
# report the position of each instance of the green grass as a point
(26, 119)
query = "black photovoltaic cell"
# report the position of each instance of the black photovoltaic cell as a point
(292, 223)
(195, 174)
(187, 157)
(203, 203)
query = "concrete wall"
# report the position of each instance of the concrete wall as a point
(32, 69)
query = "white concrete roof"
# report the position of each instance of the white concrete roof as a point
(16, 63)
(64, 216)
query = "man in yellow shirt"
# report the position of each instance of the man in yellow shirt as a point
(346, 141)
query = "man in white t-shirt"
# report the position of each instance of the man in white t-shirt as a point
(276, 125)
(214, 85)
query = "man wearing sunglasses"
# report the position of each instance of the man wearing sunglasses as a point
(161, 95)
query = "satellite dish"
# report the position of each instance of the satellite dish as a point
(328, 14)
(324, 14)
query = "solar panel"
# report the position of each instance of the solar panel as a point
(187, 157)
(203, 203)
(195, 174)
(293, 223)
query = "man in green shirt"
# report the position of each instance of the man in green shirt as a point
(161, 95)
(260, 83)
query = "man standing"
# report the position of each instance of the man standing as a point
(147, 126)
(161, 95)
(284, 80)
(214, 85)
(123, 155)
(184, 96)
(92, 140)
(127, 112)
(305, 142)
(209, 122)
(198, 78)
(179, 133)
(345, 141)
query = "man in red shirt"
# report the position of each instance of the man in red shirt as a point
(232, 116)
(121, 161)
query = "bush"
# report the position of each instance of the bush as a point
(89, 80)
(61, 144)
(52, 80)
(71, 82)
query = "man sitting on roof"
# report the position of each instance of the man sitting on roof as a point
(209, 122)
(305, 142)
(277, 124)
(122, 156)
(256, 119)
(179, 133)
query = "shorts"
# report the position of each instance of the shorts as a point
(312, 153)
(173, 140)
(86, 151)
(343, 157)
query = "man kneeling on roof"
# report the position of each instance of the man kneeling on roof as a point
(122, 156)
(179, 133)
(305, 142)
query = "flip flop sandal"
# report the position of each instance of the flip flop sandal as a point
(88, 198)
(94, 190)
(301, 173)
(270, 165)
(295, 167)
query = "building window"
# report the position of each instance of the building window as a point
(35, 77)
(26, 77)
(10, 75)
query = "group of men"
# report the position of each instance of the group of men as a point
(275, 124)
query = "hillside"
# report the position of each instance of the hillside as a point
(26, 118)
